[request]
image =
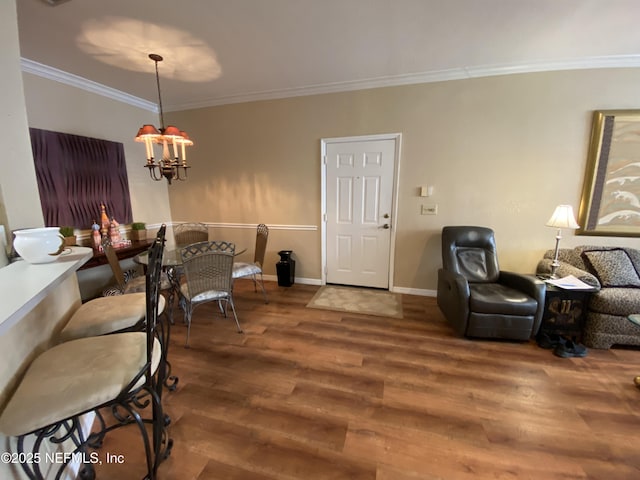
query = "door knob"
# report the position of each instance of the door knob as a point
(386, 215)
(385, 226)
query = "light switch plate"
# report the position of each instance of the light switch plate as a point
(430, 209)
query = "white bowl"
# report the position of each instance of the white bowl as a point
(39, 245)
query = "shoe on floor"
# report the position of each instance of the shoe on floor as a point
(570, 349)
(549, 340)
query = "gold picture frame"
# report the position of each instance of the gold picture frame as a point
(610, 202)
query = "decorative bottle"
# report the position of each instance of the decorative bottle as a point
(97, 239)
(114, 232)
(104, 221)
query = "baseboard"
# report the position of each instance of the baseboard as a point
(415, 291)
(316, 281)
(301, 281)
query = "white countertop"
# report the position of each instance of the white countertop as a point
(23, 285)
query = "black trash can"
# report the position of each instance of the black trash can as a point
(286, 268)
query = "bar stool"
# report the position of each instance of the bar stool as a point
(119, 313)
(121, 373)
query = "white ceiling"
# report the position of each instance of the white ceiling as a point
(225, 51)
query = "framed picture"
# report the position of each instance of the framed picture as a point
(610, 202)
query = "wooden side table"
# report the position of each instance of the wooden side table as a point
(565, 311)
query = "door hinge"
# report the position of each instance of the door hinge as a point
(324, 217)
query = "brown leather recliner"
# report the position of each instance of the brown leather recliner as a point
(476, 297)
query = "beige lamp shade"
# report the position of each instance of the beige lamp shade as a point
(563, 217)
(147, 131)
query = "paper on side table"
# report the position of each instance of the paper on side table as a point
(569, 283)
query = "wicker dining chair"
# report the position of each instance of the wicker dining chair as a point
(191, 232)
(208, 268)
(245, 269)
(186, 234)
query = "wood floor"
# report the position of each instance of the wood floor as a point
(309, 394)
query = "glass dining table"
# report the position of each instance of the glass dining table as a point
(171, 260)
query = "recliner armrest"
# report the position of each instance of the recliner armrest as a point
(529, 284)
(532, 286)
(453, 298)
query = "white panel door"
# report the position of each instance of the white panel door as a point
(359, 193)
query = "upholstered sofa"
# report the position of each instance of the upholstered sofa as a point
(615, 272)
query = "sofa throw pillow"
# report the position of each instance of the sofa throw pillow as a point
(612, 267)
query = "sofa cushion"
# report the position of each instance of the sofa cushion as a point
(616, 301)
(612, 267)
(569, 256)
(634, 255)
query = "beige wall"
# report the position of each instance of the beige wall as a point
(28, 100)
(55, 106)
(500, 152)
(19, 201)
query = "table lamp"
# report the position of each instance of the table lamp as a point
(562, 218)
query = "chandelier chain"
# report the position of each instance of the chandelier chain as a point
(159, 95)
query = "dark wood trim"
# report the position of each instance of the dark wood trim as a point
(99, 258)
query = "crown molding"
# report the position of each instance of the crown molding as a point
(612, 61)
(45, 71)
(588, 63)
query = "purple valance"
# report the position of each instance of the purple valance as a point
(76, 174)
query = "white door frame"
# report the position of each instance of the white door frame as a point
(397, 137)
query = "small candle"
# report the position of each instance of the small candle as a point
(175, 149)
(147, 144)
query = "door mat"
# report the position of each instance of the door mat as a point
(358, 300)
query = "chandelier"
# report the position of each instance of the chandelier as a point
(173, 164)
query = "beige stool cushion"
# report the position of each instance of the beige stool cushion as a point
(107, 315)
(75, 377)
